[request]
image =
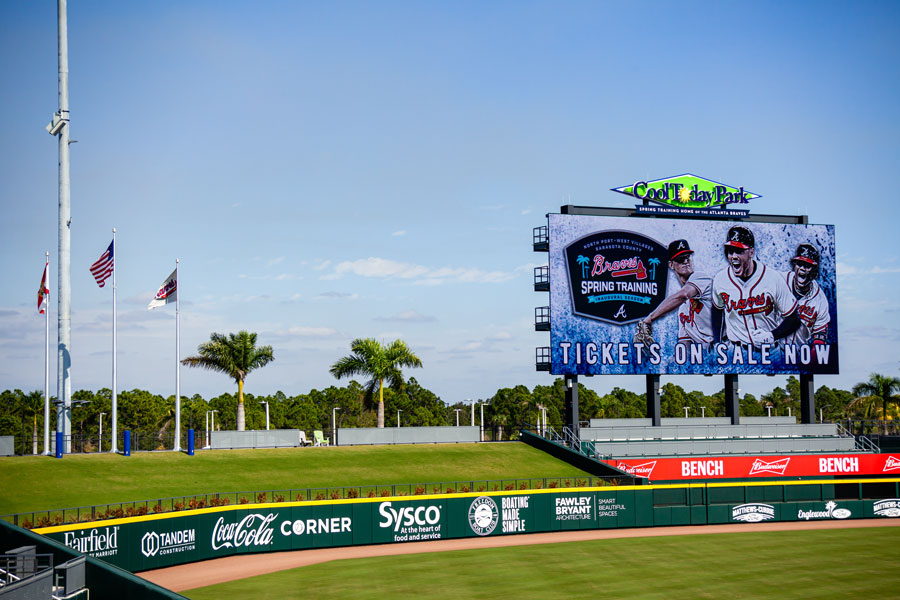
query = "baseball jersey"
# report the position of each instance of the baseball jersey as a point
(812, 310)
(761, 302)
(695, 314)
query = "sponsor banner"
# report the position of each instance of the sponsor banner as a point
(155, 541)
(824, 510)
(740, 467)
(608, 274)
(887, 508)
(411, 521)
(753, 512)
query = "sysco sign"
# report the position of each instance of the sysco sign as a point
(408, 516)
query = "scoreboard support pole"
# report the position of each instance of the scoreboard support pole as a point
(572, 403)
(807, 400)
(732, 402)
(653, 410)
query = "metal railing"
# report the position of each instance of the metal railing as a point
(863, 442)
(117, 510)
(18, 567)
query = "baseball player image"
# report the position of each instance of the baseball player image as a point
(693, 301)
(757, 305)
(812, 305)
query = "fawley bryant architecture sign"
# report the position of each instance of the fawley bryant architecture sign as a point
(720, 297)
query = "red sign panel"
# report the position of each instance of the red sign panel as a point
(740, 467)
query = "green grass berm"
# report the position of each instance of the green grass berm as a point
(36, 483)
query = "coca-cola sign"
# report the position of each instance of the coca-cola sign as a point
(252, 530)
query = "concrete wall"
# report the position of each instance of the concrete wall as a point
(275, 438)
(692, 421)
(407, 435)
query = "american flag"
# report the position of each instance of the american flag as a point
(43, 291)
(103, 268)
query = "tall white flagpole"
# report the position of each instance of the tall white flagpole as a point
(115, 443)
(177, 447)
(47, 364)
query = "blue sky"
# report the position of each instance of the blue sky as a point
(327, 171)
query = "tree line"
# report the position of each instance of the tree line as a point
(21, 413)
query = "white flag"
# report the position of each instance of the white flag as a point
(167, 293)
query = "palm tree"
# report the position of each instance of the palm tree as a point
(653, 262)
(583, 261)
(236, 356)
(378, 362)
(879, 387)
(32, 405)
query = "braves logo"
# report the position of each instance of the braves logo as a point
(808, 314)
(695, 307)
(620, 268)
(760, 303)
(777, 467)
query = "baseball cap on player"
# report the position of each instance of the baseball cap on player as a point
(679, 248)
(806, 253)
(740, 237)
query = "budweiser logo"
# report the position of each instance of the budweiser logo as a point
(892, 463)
(252, 530)
(641, 470)
(776, 467)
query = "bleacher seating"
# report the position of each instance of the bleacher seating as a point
(620, 438)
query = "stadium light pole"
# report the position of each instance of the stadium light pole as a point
(686, 409)
(399, 410)
(334, 424)
(100, 442)
(212, 425)
(207, 430)
(456, 410)
(702, 412)
(267, 413)
(59, 128)
(481, 423)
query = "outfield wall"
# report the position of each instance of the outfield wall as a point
(357, 436)
(154, 541)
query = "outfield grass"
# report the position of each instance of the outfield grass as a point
(852, 563)
(36, 483)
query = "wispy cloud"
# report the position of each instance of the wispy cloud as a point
(844, 269)
(389, 269)
(336, 296)
(399, 233)
(409, 316)
(307, 332)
